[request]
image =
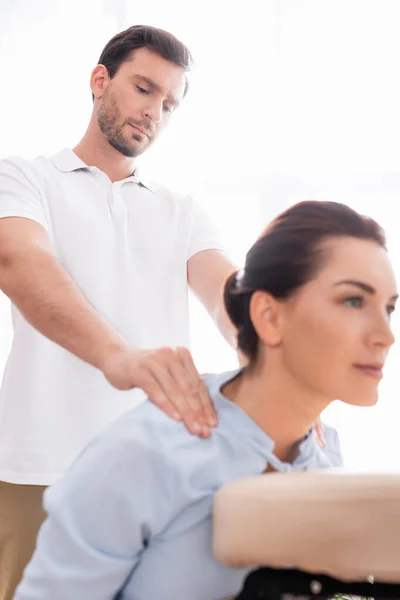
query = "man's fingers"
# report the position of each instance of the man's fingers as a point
(156, 394)
(319, 433)
(170, 379)
(192, 407)
(165, 368)
(199, 389)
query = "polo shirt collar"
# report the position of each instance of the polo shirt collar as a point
(67, 161)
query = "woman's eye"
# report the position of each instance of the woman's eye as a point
(354, 301)
(167, 109)
(141, 90)
(390, 309)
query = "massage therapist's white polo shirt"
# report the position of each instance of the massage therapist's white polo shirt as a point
(126, 244)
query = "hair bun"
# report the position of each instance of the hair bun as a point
(234, 300)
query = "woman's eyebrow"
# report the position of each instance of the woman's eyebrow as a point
(363, 286)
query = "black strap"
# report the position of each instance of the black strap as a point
(272, 584)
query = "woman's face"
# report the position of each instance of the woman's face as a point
(336, 328)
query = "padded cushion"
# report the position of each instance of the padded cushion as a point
(343, 524)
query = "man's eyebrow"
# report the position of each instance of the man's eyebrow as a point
(149, 82)
(363, 286)
(155, 88)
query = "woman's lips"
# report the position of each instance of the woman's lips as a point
(373, 370)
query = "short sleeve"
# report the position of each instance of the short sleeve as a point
(204, 235)
(19, 194)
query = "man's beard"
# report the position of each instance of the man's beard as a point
(108, 117)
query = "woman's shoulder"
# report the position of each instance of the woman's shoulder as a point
(146, 435)
(147, 428)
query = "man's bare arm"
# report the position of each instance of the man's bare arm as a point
(51, 301)
(207, 273)
(48, 297)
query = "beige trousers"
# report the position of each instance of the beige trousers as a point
(21, 515)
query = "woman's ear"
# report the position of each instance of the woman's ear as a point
(266, 316)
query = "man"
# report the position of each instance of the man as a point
(97, 263)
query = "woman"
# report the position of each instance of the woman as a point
(132, 518)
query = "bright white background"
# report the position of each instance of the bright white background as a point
(289, 100)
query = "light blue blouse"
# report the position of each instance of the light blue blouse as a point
(132, 517)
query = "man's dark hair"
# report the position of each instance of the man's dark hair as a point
(120, 48)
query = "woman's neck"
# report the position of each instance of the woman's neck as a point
(278, 403)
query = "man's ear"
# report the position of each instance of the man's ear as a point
(266, 316)
(99, 80)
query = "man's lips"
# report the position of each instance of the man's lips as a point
(371, 369)
(140, 130)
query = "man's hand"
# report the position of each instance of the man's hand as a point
(170, 379)
(319, 433)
